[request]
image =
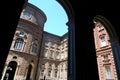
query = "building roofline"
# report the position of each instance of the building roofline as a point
(38, 9)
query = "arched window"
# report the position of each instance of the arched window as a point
(49, 73)
(45, 53)
(103, 41)
(18, 43)
(57, 56)
(56, 73)
(22, 34)
(29, 72)
(108, 72)
(34, 48)
(105, 57)
(10, 71)
(42, 73)
(51, 55)
(27, 15)
(101, 27)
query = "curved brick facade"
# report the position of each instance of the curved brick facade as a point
(105, 59)
(28, 49)
(28, 33)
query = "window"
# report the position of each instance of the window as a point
(101, 27)
(55, 73)
(105, 57)
(46, 38)
(42, 73)
(21, 33)
(49, 73)
(14, 57)
(50, 66)
(103, 42)
(26, 15)
(45, 53)
(57, 56)
(18, 43)
(46, 43)
(34, 48)
(51, 54)
(36, 40)
(62, 56)
(108, 72)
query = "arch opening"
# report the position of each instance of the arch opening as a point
(28, 77)
(107, 48)
(10, 71)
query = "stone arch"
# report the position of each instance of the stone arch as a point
(68, 8)
(113, 40)
(30, 71)
(109, 27)
(28, 76)
(71, 72)
(10, 71)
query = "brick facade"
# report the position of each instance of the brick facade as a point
(105, 59)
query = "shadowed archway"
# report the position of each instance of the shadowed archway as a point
(29, 72)
(10, 71)
(84, 11)
(113, 40)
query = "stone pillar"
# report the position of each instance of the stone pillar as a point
(116, 53)
(71, 52)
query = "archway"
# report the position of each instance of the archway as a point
(81, 6)
(10, 71)
(113, 40)
(28, 77)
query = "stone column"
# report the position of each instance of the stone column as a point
(116, 53)
(71, 51)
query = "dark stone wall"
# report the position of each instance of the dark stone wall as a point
(10, 12)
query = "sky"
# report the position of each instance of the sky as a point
(56, 16)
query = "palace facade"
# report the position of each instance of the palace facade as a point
(104, 54)
(34, 53)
